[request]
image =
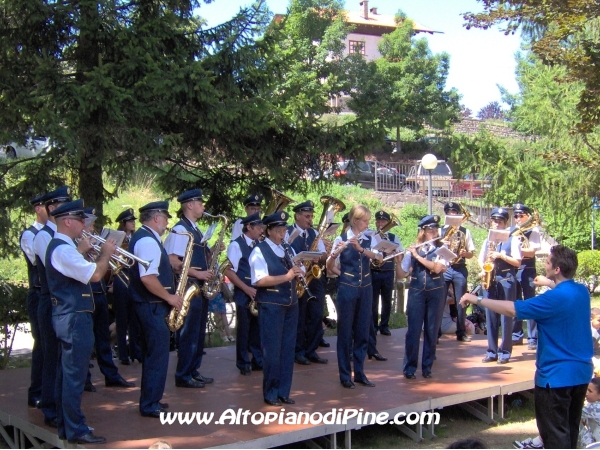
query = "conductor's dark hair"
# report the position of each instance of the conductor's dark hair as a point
(468, 443)
(565, 259)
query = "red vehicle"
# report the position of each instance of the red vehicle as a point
(472, 185)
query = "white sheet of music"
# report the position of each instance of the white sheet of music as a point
(331, 229)
(307, 256)
(453, 221)
(386, 246)
(116, 235)
(445, 253)
(498, 235)
(209, 232)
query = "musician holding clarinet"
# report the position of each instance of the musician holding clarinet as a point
(274, 275)
(355, 295)
(426, 294)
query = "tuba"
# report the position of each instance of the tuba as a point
(394, 222)
(212, 287)
(279, 201)
(456, 238)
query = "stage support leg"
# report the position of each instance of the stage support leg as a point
(484, 414)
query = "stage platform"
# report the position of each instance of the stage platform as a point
(459, 377)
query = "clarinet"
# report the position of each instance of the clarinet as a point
(301, 279)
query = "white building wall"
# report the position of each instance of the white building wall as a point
(370, 43)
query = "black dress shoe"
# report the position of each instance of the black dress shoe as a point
(287, 400)
(463, 338)
(378, 357)
(89, 438)
(317, 359)
(273, 403)
(51, 423)
(386, 332)
(203, 379)
(426, 374)
(347, 384)
(164, 405)
(246, 372)
(125, 362)
(155, 413)
(302, 360)
(410, 376)
(324, 343)
(365, 382)
(194, 384)
(119, 382)
(34, 403)
(89, 387)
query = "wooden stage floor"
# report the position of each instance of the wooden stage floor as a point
(459, 376)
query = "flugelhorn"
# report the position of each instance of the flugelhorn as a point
(120, 256)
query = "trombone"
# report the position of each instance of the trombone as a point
(120, 257)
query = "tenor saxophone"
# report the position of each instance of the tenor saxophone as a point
(176, 316)
(212, 287)
(488, 267)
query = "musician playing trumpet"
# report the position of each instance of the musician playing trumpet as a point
(426, 296)
(355, 295)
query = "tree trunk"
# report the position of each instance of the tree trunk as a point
(398, 144)
(91, 188)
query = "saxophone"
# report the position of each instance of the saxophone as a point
(176, 316)
(488, 267)
(212, 287)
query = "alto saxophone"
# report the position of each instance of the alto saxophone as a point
(212, 287)
(176, 316)
(488, 267)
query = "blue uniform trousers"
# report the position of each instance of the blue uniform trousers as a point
(37, 355)
(155, 350)
(457, 277)
(204, 319)
(525, 290)
(76, 336)
(422, 310)
(127, 323)
(502, 288)
(353, 305)
(383, 285)
(50, 347)
(310, 320)
(102, 339)
(189, 340)
(278, 325)
(247, 334)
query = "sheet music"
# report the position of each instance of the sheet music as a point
(386, 246)
(307, 256)
(294, 234)
(498, 235)
(453, 221)
(331, 229)
(445, 253)
(116, 235)
(209, 232)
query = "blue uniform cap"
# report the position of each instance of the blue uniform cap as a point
(278, 219)
(308, 205)
(126, 216)
(521, 208)
(157, 206)
(74, 208)
(252, 219)
(254, 199)
(60, 195)
(499, 213)
(38, 200)
(190, 196)
(89, 211)
(451, 205)
(429, 222)
(382, 215)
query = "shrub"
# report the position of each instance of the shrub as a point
(13, 312)
(588, 268)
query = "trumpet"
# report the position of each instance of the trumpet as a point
(121, 257)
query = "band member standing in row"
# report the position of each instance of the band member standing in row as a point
(33, 299)
(125, 318)
(193, 331)
(252, 206)
(355, 294)
(52, 200)
(153, 292)
(310, 313)
(506, 257)
(274, 275)
(248, 332)
(425, 294)
(69, 275)
(526, 274)
(457, 274)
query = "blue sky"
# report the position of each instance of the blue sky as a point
(479, 59)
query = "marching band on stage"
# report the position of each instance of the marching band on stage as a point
(279, 270)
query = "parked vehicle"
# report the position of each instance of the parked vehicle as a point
(441, 179)
(363, 172)
(33, 146)
(472, 185)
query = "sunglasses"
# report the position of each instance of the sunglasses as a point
(519, 215)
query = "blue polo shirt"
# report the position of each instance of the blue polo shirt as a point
(564, 353)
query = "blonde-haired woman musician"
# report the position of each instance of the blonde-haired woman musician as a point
(355, 295)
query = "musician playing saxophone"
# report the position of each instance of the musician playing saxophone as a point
(457, 274)
(248, 332)
(193, 331)
(507, 259)
(526, 273)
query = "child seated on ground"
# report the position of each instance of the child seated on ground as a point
(449, 317)
(589, 428)
(217, 307)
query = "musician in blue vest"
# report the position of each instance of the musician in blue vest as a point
(252, 205)
(193, 331)
(52, 200)
(350, 259)
(456, 274)
(526, 274)
(33, 299)
(125, 318)
(310, 312)
(248, 332)
(112, 378)
(69, 276)
(153, 293)
(274, 274)
(506, 257)
(425, 294)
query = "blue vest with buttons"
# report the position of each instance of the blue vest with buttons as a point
(138, 291)
(526, 262)
(243, 270)
(389, 264)
(299, 245)
(281, 294)
(355, 266)
(32, 273)
(200, 255)
(68, 295)
(421, 278)
(504, 269)
(40, 265)
(98, 287)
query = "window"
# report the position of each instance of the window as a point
(357, 47)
